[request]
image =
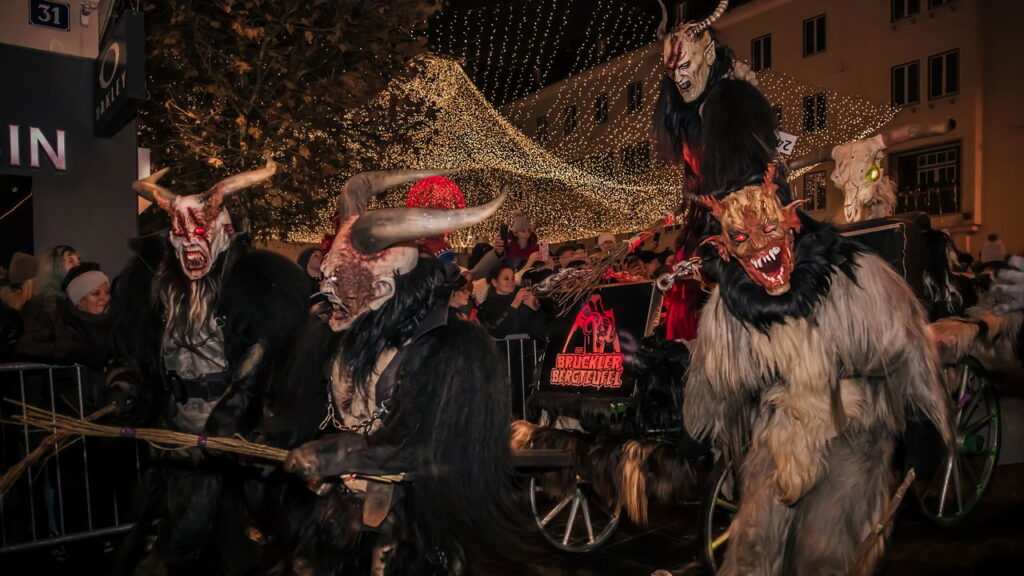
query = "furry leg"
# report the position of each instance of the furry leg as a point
(843, 508)
(759, 529)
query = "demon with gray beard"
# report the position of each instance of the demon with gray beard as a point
(811, 356)
(406, 394)
(202, 322)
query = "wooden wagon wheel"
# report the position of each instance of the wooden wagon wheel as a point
(574, 521)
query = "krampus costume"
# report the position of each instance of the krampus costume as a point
(702, 103)
(201, 324)
(812, 354)
(413, 394)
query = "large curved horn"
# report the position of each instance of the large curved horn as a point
(150, 190)
(379, 229)
(823, 154)
(707, 22)
(663, 27)
(907, 132)
(364, 185)
(232, 184)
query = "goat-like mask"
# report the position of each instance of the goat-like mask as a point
(757, 230)
(201, 229)
(688, 52)
(371, 249)
(867, 193)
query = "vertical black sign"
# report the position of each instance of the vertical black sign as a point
(119, 80)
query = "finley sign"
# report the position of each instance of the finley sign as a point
(119, 80)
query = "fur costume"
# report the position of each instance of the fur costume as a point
(405, 382)
(807, 390)
(201, 325)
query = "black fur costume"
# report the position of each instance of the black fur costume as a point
(199, 498)
(446, 426)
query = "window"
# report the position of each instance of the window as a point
(929, 180)
(815, 190)
(636, 158)
(601, 108)
(906, 83)
(635, 96)
(542, 129)
(944, 74)
(761, 52)
(905, 8)
(933, 4)
(814, 35)
(569, 119)
(815, 112)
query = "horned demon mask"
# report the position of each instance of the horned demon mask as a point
(867, 193)
(372, 248)
(757, 230)
(688, 52)
(200, 227)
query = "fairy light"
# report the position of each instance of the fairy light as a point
(440, 119)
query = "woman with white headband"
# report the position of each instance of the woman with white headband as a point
(78, 330)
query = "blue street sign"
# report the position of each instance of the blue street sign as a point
(56, 15)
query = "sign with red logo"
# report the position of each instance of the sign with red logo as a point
(591, 350)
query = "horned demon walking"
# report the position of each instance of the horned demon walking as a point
(811, 357)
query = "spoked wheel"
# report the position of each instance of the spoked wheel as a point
(576, 521)
(958, 484)
(717, 511)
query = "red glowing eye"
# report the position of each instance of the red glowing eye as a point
(199, 230)
(178, 233)
(739, 238)
(770, 228)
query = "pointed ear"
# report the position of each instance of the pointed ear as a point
(719, 243)
(709, 52)
(789, 212)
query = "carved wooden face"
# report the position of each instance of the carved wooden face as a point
(356, 283)
(687, 60)
(858, 174)
(200, 232)
(758, 232)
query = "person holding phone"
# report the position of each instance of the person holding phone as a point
(522, 243)
(511, 310)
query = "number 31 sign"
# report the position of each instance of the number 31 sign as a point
(47, 14)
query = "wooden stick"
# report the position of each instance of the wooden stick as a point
(876, 533)
(32, 458)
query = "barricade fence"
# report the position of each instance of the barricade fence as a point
(82, 488)
(522, 357)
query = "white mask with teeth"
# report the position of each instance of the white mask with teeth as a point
(201, 229)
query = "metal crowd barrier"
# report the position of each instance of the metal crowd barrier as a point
(80, 490)
(522, 356)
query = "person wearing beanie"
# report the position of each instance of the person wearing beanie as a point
(523, 242)
(78, 330)
(21, 274)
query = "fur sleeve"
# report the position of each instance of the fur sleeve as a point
(880, 332)
(724, 378)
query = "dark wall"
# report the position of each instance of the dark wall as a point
(90, 205)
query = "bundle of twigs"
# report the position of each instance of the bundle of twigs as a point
(56, 439)
(160, 439)
(578, 286)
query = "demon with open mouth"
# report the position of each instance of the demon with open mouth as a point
(405, 383)
(757, 230)
(812, 356)
(202, 323)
